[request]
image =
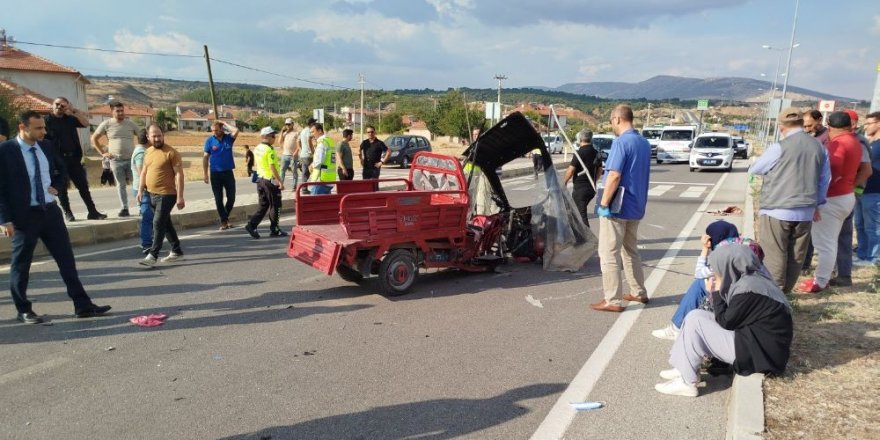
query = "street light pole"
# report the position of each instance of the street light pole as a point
(791, 46)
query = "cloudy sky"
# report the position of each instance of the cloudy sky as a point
(449, 43)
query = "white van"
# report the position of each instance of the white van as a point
(675, 143)
(652, 134)
(554, 143)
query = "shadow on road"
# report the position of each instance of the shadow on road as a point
(431, 419)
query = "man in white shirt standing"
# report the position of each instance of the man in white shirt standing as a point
(120, 133)
(304, 150)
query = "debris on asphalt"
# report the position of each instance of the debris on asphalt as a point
(587, 406)
(727, 211)
(289, 307)
(153, 320)
(110, 349)
(309, 353)
(535, 302)
(217, 357)
(178, 399)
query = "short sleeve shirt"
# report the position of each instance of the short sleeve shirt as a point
(344, 152)
(120, 136)
(160, 164)
(220, 153)
(373, 152)
(266, 158)
(305, 150)
(63, 131)
(137, 161)
(630, 156)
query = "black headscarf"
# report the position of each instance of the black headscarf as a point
(721, 230)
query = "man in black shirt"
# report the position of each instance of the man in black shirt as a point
(584, 189)
(374, 153)
(61, 129)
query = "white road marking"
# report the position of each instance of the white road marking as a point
(659, 190)
(17, 375)
(693, 192)
(561, 415)
(47, 258)
(535, 302)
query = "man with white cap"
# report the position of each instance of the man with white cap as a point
(269, 185)
(289, 141)
(796, 176)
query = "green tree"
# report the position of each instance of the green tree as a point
(165, 118)
(8, 111)
(392, 123)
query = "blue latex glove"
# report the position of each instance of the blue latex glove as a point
(603, 211)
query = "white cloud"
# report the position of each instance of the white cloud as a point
(383, 34)
(876, 29)
(170, 43)
(168, 18)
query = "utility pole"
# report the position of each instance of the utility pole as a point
(500, 79)
(211, 84)
(648, 117)
(361, 80)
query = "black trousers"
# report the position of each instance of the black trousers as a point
(76, 173)
(371, 173)
(162, 226)
(270, 201)
(350, 174)
(223, 181)
(582, 194)
(46, 225)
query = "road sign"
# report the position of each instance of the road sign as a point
(493, 111)
(318, 114)
(826, 106)
(703, 104)
(776, 106)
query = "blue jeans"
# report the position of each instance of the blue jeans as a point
(288, 162)
(691, 301)
(146, 223)
(321, 189)
(869, 247)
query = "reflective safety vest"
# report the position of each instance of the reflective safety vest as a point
(328, 162)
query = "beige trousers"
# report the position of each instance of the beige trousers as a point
(616, 235)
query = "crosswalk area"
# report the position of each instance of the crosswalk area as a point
(656, 189)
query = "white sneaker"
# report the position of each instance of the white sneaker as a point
(172, 257)
(677, 387)
(864, 263)
(669, 333)
(670, 374)
(149, 261)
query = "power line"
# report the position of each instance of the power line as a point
(281, 75)
(97, 49)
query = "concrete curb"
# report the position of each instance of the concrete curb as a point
(745, 403)
(198, 213)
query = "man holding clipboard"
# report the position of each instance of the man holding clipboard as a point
(620, 207)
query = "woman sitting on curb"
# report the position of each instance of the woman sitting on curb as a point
(751, 328)
(716, 232)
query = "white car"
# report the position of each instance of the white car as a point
(554, 143)
(652, 134)
(712, 151)
(675, 143)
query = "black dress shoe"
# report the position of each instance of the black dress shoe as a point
(92, 311)
(124, 213)
(29, 318)
(278, 233)
(251, 230)
(97, 216)
(69, 217)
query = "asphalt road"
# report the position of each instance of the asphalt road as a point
(257, 345)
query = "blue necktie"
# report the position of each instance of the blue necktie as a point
(38, 180)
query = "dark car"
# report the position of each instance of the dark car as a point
(404, 147)
(602, 144)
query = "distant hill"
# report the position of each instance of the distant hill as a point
(670, 87)
(157, 92)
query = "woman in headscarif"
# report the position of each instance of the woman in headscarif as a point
(751, 328)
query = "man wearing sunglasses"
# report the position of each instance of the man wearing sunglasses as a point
(374, 153)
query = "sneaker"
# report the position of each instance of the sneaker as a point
(669, 333)
(97, 216)
(840, 282)
(810, 286)
(124, 213)
(224, 225)
(146, 249)
(677, 387)
(251, 230)
(864, 263)
(670, 374)
(172, 257)
(148, 261)
(278, 233)
(69, 217)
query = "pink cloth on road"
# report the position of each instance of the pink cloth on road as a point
(153, 320)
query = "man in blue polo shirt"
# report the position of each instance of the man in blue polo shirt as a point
(218, 151)
(627, 171)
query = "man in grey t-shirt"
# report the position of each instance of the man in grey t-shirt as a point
(120, 133)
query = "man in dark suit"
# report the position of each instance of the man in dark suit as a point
(29, 175)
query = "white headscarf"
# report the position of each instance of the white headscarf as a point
(742, 272)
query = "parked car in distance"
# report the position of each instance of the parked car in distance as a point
(675, 143)
(712, 151)
(554, 143)
(652, 134)
(404, 147)
(742, 148)
(602, 144)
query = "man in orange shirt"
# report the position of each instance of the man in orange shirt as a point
(162, 176)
